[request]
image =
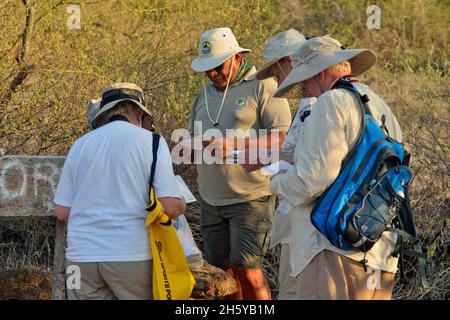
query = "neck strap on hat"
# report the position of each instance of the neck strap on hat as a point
(216, 122)
(282, 69)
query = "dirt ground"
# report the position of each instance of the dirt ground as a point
(27, 284)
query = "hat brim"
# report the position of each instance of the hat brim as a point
(147, 123)
(93, 107)
(360, 60)
(265, 71)
(203, 64)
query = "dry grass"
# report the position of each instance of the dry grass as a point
(44, 97)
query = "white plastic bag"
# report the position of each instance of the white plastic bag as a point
(187, 241)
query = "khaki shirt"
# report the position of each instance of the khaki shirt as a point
(248, 105)
(324, 142)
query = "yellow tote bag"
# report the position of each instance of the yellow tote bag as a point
(172, 278)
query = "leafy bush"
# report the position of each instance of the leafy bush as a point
(49, 73)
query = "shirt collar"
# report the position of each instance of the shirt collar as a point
(250, 75)
(346, 76)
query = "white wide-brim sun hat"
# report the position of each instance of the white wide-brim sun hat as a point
(318, 54)
(215, 47)
(281, 45)
(122, 91)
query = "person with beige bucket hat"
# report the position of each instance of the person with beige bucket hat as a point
(103, 192)
(236, 205)
(279, 53)
(318, 270)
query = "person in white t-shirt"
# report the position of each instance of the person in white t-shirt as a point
(103, 192)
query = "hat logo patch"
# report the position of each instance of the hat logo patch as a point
(240, 103)
(206, 47)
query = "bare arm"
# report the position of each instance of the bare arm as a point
(269, 141)
(264, 142)
(173, 207)
(62, 213)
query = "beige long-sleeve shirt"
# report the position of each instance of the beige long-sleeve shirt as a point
(322, 145)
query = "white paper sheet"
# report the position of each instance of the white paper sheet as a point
(275, 167)
(184, 190)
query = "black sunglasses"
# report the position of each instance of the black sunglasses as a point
(218, 69)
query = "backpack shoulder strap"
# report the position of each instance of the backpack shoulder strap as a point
(156, 137)
(406, 231)
(151, 193)
(345, 83)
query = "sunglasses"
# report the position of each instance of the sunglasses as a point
(217, 69)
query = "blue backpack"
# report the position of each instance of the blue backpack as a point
(370, 194)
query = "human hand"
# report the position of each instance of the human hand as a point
(173, 207)
(220, 146)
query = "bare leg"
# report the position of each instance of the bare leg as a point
(254, 284)
(238, 294)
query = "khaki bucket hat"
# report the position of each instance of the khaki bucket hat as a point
(118, 92)
(214, 48)
(281, 45)
(318, 54)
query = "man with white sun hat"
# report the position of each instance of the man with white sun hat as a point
(236, 205)
(279, 53)
(103, 192)
(322, 271)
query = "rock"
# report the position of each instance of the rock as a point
(210, 282)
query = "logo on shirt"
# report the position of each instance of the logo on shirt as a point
(206, 47)
(240, 103)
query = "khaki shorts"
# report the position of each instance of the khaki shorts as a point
(128, 280)
(331, 276)
(237, 234)
(288, 284)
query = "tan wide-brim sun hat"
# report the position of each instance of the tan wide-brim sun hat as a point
(123, 91)
(318, 54)
(281, 45)
(215, 47)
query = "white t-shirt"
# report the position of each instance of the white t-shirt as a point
(303, 112)
(105, 182)
(281, 217)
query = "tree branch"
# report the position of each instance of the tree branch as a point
(28, 30)
(22, 57)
